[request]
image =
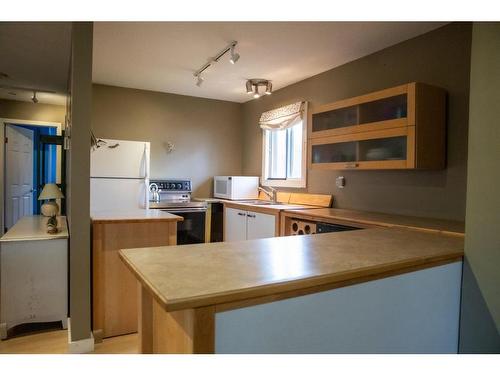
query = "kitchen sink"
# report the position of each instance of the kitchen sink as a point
(259, 202)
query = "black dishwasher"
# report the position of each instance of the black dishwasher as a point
(327, 228)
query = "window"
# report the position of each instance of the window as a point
(284, 150)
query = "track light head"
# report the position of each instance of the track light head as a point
(256, 94)
(199, 80)
(269, 88)
(234, 56)
(249, 87)
(34, 99)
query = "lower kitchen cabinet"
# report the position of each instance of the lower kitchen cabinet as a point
(33, 274)
(260, 225)
(235, 224)
(243, 225)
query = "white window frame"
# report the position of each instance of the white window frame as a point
(289, 182)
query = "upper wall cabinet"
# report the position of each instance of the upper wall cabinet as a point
(403, 127)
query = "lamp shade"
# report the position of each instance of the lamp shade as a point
(50, 191)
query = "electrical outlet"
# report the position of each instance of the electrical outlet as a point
(340, 182)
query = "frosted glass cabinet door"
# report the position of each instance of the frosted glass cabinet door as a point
(235, 223)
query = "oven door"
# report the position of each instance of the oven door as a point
(192, 229)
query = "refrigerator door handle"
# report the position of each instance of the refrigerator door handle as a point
(146, 158)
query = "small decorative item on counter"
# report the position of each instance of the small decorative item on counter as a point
(52, 225)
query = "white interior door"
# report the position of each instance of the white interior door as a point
(18, 174)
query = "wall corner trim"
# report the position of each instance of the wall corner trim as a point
(79, 346)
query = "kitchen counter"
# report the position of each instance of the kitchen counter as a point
(132, 216)
(246, 285)
(370, 219)
(264, 208)
(227, 272)
(34, 228)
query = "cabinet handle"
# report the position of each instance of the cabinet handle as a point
(250, 215)
(241, 214)
(351, 165)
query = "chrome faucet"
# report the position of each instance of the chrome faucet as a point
(272, 194)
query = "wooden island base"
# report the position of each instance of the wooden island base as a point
(190, 331)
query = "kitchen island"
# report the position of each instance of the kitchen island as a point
(114, 292)
(377, 290)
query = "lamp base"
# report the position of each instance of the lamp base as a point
(50, 209)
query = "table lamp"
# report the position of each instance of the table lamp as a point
(50, 191)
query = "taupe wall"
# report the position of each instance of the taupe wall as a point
(30, 111)
(206, 133)
(480, 318)
(78, 181)
(442, 58)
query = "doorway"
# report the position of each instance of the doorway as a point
(33, 157)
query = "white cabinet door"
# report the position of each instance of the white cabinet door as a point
(260, 225)
(235, 223)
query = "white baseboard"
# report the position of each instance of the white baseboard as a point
(79, 346)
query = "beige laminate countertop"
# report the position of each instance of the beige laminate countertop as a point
(380, 219)
(132, 216)
(266, 208)
(188, 276)
(34, 228)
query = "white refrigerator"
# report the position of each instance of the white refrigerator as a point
(119, 175)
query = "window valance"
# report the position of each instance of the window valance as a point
(283, 117)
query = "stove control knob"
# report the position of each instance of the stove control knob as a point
(179, 186)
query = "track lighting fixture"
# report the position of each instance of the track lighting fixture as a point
(212, 60)
(249, 87)
(199, 80)
(256, 94)
(252, 86)
(24, 92)
(234, 56)
(269, 88)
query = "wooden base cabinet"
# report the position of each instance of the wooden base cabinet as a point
(115, 298)
(403, 127)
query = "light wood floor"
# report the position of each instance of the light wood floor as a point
(56, 342)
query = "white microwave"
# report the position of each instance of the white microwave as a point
(236, 187)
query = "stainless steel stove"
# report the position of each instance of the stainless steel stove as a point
(174, 196)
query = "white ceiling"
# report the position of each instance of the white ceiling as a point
(162, 56)
(35, 55)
